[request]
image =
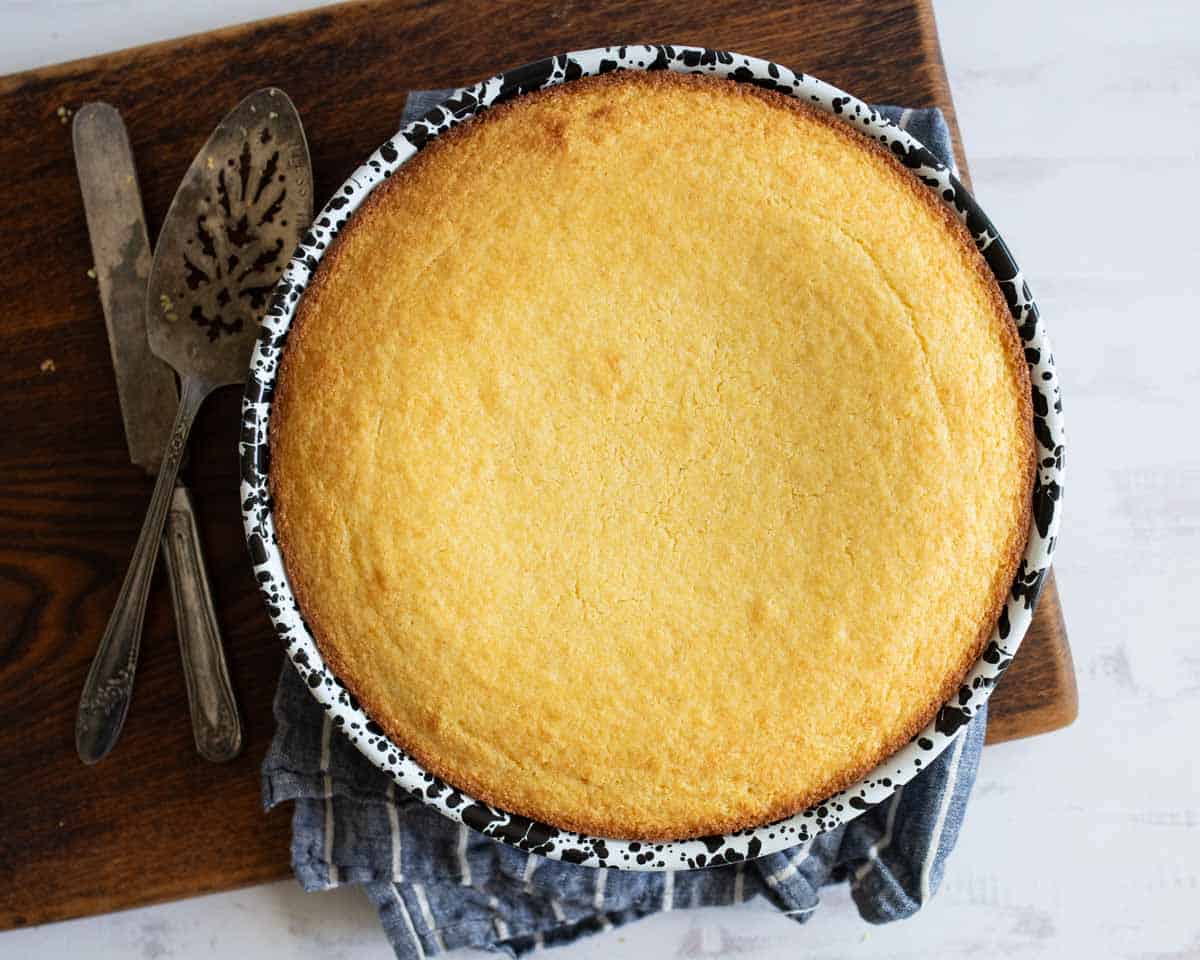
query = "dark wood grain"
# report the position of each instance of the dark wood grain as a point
(153, 821)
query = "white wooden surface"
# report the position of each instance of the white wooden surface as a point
(1082, 124)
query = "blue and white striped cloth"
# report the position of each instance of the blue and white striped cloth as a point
(439, 886)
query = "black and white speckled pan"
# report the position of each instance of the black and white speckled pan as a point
(540, 838)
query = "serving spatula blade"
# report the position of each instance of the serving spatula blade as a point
(237, 216)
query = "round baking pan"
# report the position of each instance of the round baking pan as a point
(345, 711)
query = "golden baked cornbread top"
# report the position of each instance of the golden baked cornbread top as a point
(651, 456)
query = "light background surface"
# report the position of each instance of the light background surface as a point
(1082, 125)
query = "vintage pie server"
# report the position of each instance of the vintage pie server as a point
(236, 217)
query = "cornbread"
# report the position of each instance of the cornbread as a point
(652, 455)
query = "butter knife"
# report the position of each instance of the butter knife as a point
(148, 397)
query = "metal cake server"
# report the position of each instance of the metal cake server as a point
(148, 395)
(236, 217)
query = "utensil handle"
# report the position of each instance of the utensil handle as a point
(109, 684)
(215, 721)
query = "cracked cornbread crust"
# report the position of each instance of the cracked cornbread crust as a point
(652, 456)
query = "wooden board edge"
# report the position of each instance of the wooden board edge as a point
(109, 902)
(1022, 722)
(931, 44)
(230, 34)
(1062, 710)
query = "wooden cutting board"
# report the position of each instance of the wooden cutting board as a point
(153, 821)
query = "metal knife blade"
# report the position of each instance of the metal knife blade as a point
(122, 256)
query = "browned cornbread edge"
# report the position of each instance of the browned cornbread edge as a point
(496, 794)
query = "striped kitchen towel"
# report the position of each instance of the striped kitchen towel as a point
(439, 886)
